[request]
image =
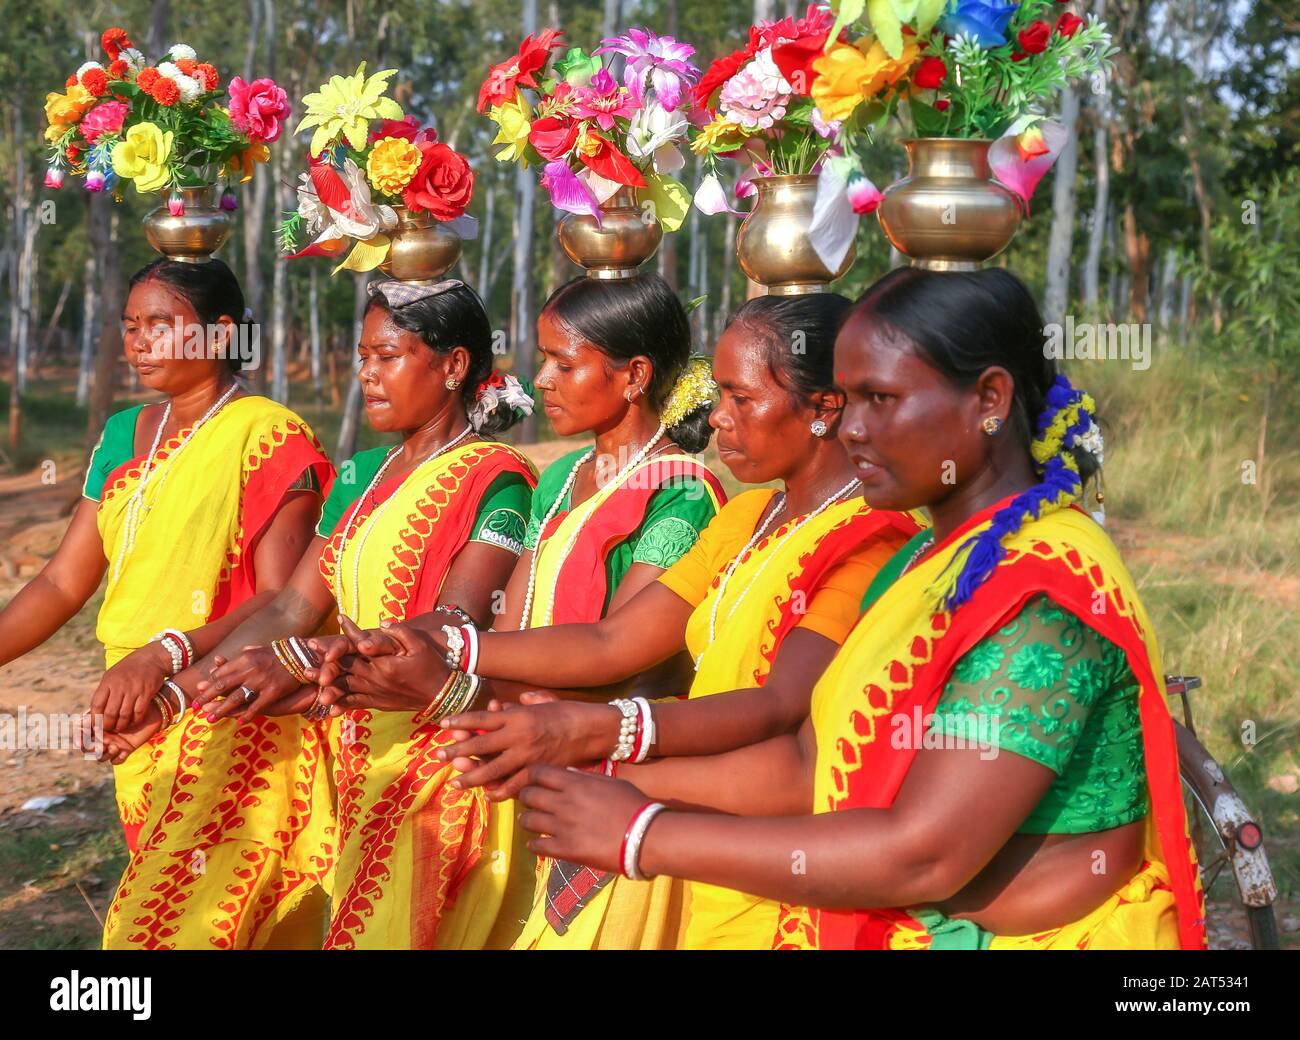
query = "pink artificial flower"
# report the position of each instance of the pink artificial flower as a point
(258, 108)
(825, 128)
(757, 95)
(54, 177)
(603, 101)
(567, 191)
(95, 180)
(175, 205)
(1020, 168)
(661, 59)
(864, 196)
(407, 129)
(228, 201)
(105, 118)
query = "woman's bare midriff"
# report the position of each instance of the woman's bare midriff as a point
(1042, 881)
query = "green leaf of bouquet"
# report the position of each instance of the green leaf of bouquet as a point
(670, 198)
(886, 25)
(846, 11)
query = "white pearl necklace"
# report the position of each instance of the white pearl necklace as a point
(758, 536)
(131, 524)
(619, 477)
(370, 521)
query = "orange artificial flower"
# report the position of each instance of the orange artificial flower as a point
(849, 74)
(241, 165)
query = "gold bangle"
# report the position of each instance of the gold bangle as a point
(164, 709)
(288, 662)
(429, 711)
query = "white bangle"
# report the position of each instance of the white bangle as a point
(647, 726)
(455, 646)
(635, 836)
(175, 687)
(471, 651)
(626, 730)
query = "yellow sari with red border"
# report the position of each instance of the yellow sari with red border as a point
(897, 661)
(572, 586)
(421, 865)
(771, 584)
(230, 826)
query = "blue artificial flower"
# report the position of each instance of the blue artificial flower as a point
(983, 20)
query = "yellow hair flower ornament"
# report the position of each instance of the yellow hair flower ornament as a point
(694, 389)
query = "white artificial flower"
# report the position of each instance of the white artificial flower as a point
(88, 65)
(1092, 442)
(169, 69)
(177, 51)
(489, 398)
(313, 212)
(190, 87)
(366, 219)
(654, 129)
(134, 59)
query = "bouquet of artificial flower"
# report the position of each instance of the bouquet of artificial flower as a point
(976, 69)
(161, 126)
(592, 135)
(358, 173)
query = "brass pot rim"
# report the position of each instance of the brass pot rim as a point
(947, 140)
(778, 179)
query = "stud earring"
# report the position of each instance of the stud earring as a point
(453, 383)
(991, 425)
(818, 428)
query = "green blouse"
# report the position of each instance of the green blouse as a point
(674, 518)
(116, 445)
(1049, 688)
(500, 520)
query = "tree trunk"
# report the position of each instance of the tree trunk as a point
(348, 428)
(1100, 206)
(1061, 237)
(102, 225)
(485, 244)
(523, 333)
(313, 307)
(88, 300)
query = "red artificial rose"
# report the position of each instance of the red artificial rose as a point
(1068, 24)
(942, 105)
(73, 151)
(553, 136)
(71, 81)
(443, 184)
(929, 74)
(720, 71)
(95, 81)
(404, 129)
(533, 55)
(113, 41)
(795, 60)
(1034, 37)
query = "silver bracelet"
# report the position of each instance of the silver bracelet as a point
(455, 646)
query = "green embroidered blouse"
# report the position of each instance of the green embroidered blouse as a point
(1048, 687)
(500, 519)
(674, 518)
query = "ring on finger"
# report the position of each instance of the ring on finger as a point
(248, 694)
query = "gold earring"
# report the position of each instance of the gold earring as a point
(991, 425)
(453, 383)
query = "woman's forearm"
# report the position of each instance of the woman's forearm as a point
(842, 860)
(208, 637)
(40, 609)
(720, 723)
(768, 779)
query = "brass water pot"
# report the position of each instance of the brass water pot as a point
(624, 239)
(195, 235)
(422, 249)
(948, 213)
(773, 246)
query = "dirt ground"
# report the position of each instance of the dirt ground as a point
(59, 864)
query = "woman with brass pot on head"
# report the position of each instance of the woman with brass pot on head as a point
(762, 602)
(437, 520)
(989, 762)
(198, 507)
(606, 522)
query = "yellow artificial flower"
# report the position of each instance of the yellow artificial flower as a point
(241, 164)
(391, 165)
(849, 74)
(513, 125)
(141, 156)
(63, 110)
(344, 106)
(720, 132)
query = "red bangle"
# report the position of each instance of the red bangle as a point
(627, 834)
